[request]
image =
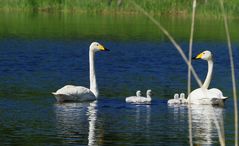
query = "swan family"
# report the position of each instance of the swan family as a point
(178, 99)
(202, 95)
(139, 99)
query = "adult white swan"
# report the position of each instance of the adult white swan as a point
(138, 99)
(204, 95)
(79, 93)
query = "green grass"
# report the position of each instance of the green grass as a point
(157, 7)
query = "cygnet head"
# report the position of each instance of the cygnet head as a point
(95, 47)
(138, 93)
(182, 96)
(205, 55)
(149, 93)
(176, 96)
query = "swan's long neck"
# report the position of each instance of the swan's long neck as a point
(209, 75)
(148, 96)
(93, 83)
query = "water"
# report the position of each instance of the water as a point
(37, 59)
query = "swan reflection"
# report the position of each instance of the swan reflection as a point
(204, 120)
(75, 120)
(143, 116)
(92, 112)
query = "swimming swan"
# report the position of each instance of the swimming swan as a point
(132, 98)
(178, 99)
(204, 95)
(79, 93)
(175, 99)
(182, 99)
(138, 99)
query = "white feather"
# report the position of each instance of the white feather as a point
(79, 93)
(74, 93)
(140, 99)
(204, 95)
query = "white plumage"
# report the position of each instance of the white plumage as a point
(138, 99)
(79, 93)
(74, 93)
(178, 99)
(204, 95)
(182, 99)
(134, 98)
(175, 99)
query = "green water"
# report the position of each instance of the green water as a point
(109, 27)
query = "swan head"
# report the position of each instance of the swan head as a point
(138, 93)
(182, 96)
(176, 96)
(205, 55)
(95, 47)
(149, 93)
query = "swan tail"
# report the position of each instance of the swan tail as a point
(57, 94)
(224, 98)
(60, 97)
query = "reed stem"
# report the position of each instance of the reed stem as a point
(232, 72)
(189, 72)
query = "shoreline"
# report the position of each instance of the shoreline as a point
(117, 13)
(172, 8)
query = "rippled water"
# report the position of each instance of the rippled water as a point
(31, 68)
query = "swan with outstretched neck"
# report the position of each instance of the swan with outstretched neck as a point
(204, 95)
(80, 93)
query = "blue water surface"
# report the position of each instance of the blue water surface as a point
(30, 69)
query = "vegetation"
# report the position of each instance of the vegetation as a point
(110, 27)
(157, 7)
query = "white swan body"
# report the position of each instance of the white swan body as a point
(204, 95)
(175, 99)
(134, 98)
(79, 93)
(140, 99)
(182, 99)
(178, 99)
(74, 93)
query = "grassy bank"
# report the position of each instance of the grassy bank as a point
(157, 7)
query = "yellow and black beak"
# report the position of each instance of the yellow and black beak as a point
(102, 48)
(199, 56)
